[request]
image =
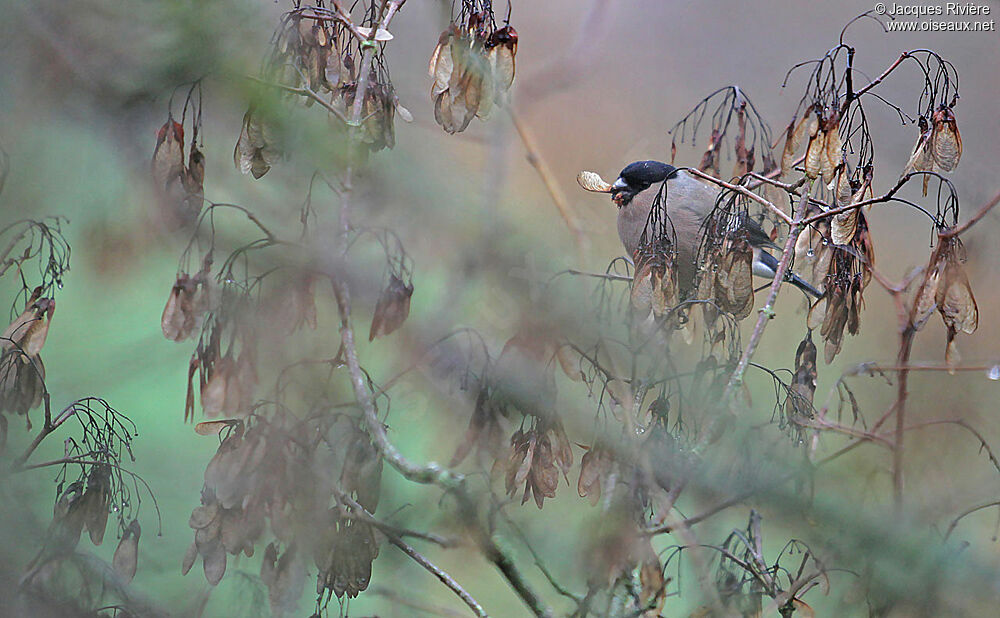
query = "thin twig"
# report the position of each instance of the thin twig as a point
(441, 575)
(744, 192)
(303, 92)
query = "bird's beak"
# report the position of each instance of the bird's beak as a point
(618, 185)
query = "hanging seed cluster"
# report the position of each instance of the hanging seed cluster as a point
(655, 289)
(726, 262)
(179, 180)
(939, 145)
(22, 373)
(729, 106)
(472, 67)
(946, 288)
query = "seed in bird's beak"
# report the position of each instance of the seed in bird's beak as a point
(592, 181)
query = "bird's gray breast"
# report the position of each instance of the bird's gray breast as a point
(687, 203)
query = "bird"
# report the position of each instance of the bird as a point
(687, 202)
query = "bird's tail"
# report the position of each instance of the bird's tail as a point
(803, 285)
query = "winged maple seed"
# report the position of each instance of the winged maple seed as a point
(710, 160)
(228, 390)
(725, 276)
(344, 554)
(179, 185)
(592, 181)
(946, 140)
(946, 288)
(473, 67)
(126, 556)
(844, 226)
(284, 576)
(257, 147)
(938, 147)
(847, 276)
(654, 286)
(744, 156)
(535, 459)
(22, 373)
(292, 304)
(392, 308)
(595, 466)
(186, 306)
(28, 331)
(799, 402)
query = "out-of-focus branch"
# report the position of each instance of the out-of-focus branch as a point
(359, 513)
(982, 212)
(388, 12)
(572, 65)
(549, 179)
(966, 513)
(442, 576)
(303, 91)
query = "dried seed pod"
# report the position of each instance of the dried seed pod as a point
(945, 140)
(256, 149)
(643, 286)
(798, 404)
(22, 382)
(794, 135)
(229, 389)
(213, 562)
(815, 155)
(214, 428)
(954, 298)
(710, 160)
(29, 330)
(832, 149)
(926, 301)
(922, 157)
(168, 155)
(442, 64)
(844, 226)
(502, 46)
(733, 278)
(594, 467)
(392, 308)
(126, 556)
(185, 307)
(97, 503)
(592, 181)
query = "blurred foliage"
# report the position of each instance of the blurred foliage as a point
(455, 231)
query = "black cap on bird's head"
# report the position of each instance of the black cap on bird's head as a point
(637, 177)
